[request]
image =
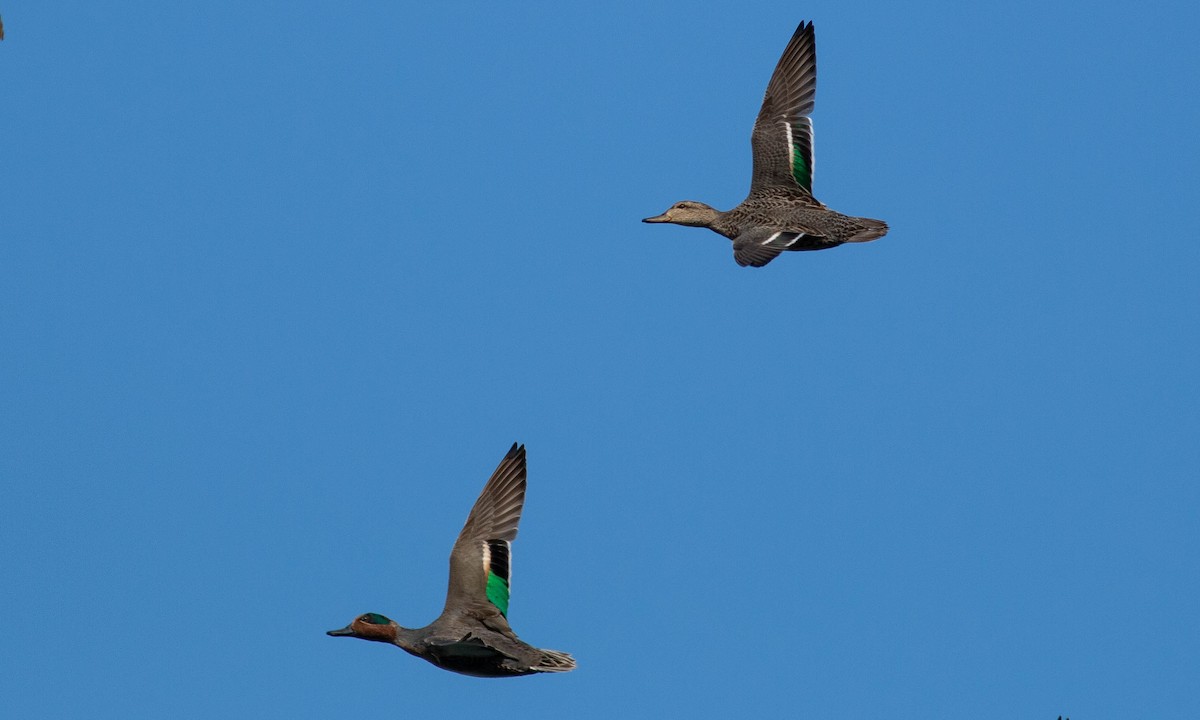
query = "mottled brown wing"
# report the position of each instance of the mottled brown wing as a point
(782, 141)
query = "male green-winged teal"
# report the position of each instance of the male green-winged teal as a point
(472, 635)
(780, 213)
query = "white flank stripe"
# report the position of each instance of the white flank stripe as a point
(793, 240)
(770, 239)
(791, 148)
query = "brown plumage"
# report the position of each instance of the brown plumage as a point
(780, 213)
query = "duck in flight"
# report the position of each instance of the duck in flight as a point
(472, 635)
(780, 213)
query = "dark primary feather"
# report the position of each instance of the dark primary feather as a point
(747, 252)
(788, 102)
(495, 516)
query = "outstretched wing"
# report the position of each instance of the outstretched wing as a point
(782, 142)
(480, 564)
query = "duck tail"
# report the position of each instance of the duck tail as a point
(868, 230)
(554, 661)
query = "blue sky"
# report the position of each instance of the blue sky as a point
(281, 282)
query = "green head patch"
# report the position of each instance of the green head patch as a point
(376, 619)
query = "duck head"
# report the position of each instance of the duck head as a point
(687, 212)
(370, 626)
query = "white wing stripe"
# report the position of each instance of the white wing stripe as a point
(791, 147)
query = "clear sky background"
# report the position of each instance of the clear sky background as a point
(280, 283)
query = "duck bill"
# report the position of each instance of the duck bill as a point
(657, 219)
(344, 632)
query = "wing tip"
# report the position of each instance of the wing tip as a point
(754, 256)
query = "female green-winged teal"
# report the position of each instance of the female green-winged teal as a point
(472, 635)
(780, 213)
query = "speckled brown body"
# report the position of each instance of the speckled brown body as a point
(780, 213)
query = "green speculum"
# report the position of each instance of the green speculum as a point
(800, 169)
(497, 592)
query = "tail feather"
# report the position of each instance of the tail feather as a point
(868, 229)
(554, 661)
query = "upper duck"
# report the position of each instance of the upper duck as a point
(472, 635)
(780, 213)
